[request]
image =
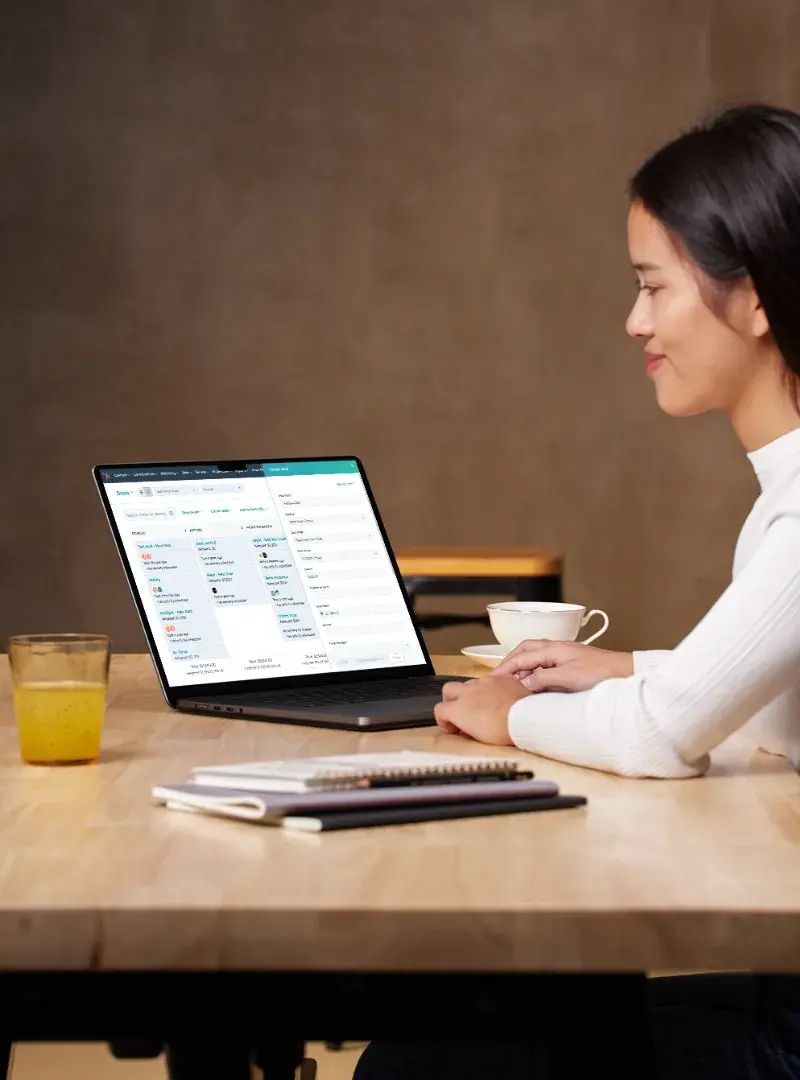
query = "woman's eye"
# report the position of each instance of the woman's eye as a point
(649, 289)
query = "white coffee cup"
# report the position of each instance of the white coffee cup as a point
(513, 623)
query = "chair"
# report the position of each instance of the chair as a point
(524, 573)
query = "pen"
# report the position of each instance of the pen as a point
(388, 782)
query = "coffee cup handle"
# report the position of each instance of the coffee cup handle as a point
(602, 630)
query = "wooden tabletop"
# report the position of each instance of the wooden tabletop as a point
(682, 875)
(478, 562)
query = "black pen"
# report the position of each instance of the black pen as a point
(389, 781)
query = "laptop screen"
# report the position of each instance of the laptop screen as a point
(260, 571)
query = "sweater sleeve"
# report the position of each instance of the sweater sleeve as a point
(663, 720)
(647, 659)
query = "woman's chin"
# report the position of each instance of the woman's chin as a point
(678, 405)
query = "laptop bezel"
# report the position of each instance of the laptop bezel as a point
(174, 694)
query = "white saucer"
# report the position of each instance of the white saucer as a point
(488, 655)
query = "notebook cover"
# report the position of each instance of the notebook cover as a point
(403, 815)
(271, 805)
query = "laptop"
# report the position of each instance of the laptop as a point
(268, 589)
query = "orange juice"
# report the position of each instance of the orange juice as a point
(59, 721)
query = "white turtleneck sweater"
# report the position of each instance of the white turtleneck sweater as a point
(740, 663)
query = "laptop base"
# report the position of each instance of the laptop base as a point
(316, 717)
(383, 713)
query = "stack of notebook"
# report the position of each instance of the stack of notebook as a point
(358, 790)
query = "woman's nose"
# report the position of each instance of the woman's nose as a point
(638, 322)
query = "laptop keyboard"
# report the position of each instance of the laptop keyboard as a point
(391, 689)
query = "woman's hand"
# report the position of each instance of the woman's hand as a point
(479, 708)
(563, 665)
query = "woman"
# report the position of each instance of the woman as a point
(714, 238)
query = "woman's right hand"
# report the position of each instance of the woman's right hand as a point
(564, 665)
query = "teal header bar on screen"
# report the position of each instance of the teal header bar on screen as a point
(310, 468)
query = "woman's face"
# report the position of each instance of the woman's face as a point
(698, 359)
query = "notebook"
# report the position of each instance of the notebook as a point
(273, 808)
(350, 809)
(405, 815)
(404, 768)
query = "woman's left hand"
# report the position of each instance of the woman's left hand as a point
(563, 665)
(479, 708)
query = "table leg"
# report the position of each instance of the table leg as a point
(279, 1059)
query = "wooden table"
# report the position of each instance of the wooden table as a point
(524, 573)
(681, 875)
(117, 916)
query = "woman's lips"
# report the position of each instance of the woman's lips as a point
(654, 362)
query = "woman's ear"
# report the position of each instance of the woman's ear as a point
(759, 323)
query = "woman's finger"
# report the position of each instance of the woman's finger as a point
(452, 691)
(529, 645)
(440, 716)
(562, 677)
(546, 655)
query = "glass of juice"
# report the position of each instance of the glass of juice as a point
(60, 683)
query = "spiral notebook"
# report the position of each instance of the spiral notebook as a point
(407, 767)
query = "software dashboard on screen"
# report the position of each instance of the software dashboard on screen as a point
(279, 569)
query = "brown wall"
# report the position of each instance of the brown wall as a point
(387, 227)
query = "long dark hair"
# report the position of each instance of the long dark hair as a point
(729, 190)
